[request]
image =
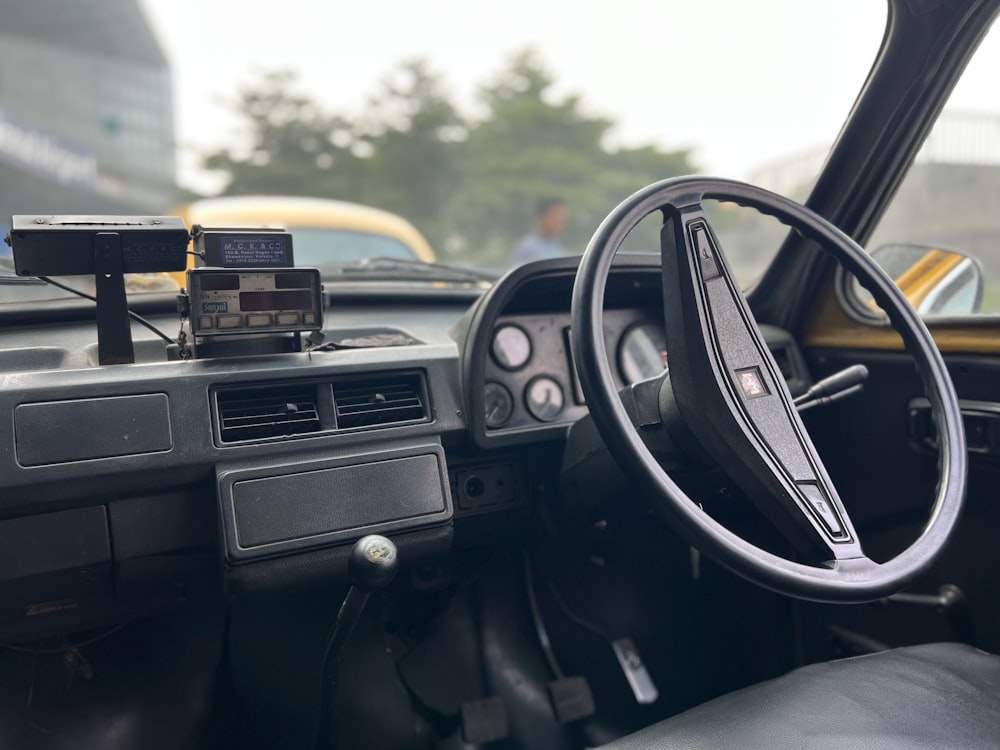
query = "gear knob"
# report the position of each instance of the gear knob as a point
(373, 562)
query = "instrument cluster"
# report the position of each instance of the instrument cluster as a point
(530, 379)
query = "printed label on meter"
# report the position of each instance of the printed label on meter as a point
(243, 248)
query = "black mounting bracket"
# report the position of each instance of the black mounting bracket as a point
(114, 330)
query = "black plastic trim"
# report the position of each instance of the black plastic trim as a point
(229, 476)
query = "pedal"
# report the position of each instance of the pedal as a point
(571, 699)
(639, 679)
(484, 721)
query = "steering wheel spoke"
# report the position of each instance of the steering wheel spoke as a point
(732, 396)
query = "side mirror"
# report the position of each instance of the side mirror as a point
(935, 281)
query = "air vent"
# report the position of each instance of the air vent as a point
(260, 413)
(379, 401)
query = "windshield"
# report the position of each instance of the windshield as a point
(331, 248)
(499, 145)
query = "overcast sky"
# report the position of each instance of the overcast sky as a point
(742, 83)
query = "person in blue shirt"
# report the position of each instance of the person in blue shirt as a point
(550, 222)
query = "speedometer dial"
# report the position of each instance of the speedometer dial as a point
(642, 353)
(544, 399)
(511, 347)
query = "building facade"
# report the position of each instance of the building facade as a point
(86, 111)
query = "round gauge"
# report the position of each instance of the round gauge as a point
(511, 347)
(499, 405)
(642, 353)
(544, 399)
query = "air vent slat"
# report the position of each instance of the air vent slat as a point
(379, 402)
(260, 413)
(366, 405)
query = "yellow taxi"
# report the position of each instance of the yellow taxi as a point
(326, 233)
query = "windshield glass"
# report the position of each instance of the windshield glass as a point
(331, 248)
(499, 144)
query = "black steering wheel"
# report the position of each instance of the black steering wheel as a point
(726, 392)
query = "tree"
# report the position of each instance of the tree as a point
(401, 154)
(470, 184)
(293, 148)
(530, 145)
(415, 136)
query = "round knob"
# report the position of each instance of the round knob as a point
(373, 562)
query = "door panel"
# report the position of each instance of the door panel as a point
(887, 478)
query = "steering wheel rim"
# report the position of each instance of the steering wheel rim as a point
(855, 578)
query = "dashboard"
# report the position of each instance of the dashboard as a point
(130, 487)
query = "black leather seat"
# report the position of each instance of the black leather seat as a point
(935, 696)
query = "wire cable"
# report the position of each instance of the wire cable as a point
(570, 615)
(536, 616)
(135, 316)
(66, 646)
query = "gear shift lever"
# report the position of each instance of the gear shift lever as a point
(372, 565)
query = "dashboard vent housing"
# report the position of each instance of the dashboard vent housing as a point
(267, 412)
(379, 401)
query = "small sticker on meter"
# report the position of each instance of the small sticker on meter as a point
(249, 251)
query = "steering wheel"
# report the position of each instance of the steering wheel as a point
(726, 393)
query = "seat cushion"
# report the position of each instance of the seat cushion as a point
(943, 695)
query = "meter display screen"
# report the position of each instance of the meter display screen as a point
(220, 282)
(286, 299)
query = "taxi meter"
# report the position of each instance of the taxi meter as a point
(246, 283)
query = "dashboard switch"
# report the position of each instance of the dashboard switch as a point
(229, 321)
(702, 241)
(288, 319)
(205, 322)
(258, 320)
